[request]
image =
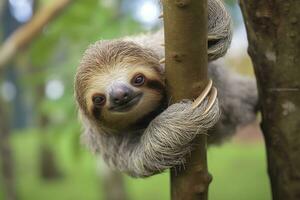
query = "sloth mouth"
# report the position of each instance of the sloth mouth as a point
(128, 104)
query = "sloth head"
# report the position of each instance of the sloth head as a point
(119, 85)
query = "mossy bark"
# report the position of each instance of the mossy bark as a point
(273, 34)
(185, 24)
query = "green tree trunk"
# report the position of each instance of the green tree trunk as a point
(274, 46)
(185, 24)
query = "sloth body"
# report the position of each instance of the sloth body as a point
(121, 95)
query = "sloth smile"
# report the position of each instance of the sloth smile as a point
(124, 107)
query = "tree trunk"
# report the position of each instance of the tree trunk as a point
(185, 24)
(48, 166)
(7, 164)
(113, 184)
(273, 34)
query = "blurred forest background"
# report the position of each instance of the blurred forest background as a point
(40, 152)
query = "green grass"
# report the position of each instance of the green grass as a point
(239, 172)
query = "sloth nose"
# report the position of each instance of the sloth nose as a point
(120, 94)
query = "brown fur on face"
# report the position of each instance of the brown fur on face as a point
(108, 62)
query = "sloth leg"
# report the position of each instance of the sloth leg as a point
(238, 101)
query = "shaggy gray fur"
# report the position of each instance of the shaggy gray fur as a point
(219, 29)
(163, 144)
(219, 33)
(168, 139)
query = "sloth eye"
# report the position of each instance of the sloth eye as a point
(98, 99)
(138, 80)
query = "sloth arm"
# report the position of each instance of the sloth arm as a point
(162, 145)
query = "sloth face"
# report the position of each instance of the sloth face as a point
(125, 96)
(119, 85)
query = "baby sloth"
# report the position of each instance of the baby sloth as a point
(120, 90)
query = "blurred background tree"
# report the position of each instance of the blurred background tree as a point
(37, 88)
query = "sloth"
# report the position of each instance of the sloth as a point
(120, 90)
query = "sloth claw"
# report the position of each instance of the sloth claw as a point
(209, 90)
(212, 99)
(202, 96)
(162, 61)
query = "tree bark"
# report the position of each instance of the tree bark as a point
(185, 24)
(7, 164)
(273, 34)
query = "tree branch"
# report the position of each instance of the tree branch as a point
(185, 24)
(25, 34)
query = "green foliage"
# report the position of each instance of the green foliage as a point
(82, 23)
